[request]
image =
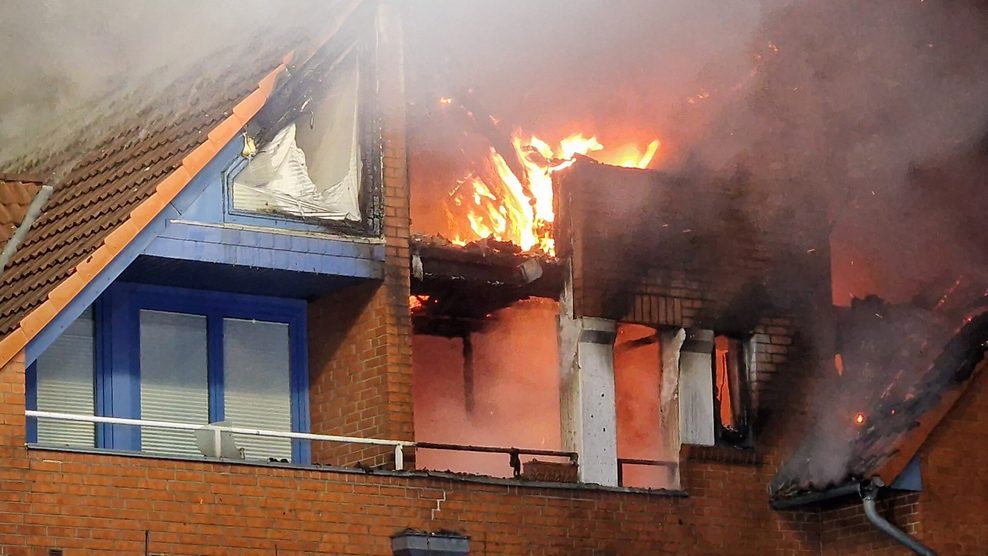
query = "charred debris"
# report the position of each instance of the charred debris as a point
(455, 289)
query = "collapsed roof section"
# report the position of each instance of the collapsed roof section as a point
(455, 288)
(900, 370)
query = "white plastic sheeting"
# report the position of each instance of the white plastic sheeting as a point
(311, 168)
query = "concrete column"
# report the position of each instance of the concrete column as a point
(589, 415)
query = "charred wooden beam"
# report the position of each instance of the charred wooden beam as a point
(461, 286)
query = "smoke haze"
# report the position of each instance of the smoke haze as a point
(845, 106)
(72, 65)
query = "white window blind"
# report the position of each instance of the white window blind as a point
(174, 383)
(256, 384)
(65, 374)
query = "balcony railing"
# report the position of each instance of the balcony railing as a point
(514, 454)
(399, 445)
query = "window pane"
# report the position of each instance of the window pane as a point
(174, 385)
(65, 384)
(256, 385)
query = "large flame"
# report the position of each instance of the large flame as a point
(500, 205)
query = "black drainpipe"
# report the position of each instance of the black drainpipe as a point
(869, 493)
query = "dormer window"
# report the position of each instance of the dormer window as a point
(311, 169)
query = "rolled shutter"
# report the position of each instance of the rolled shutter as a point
(174, 383)
(256, 384)
(65, 374)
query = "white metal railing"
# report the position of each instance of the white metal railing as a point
(398, 445)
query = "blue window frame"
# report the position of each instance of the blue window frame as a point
(117, 381)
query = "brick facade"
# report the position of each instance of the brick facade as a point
(360, 337)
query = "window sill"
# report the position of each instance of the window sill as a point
(720, 454)
(411, 474)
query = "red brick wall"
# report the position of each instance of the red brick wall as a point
(349, 364)
(360, 337)
(104, 504)
(845, 530)
(87, 503)
(953, 464)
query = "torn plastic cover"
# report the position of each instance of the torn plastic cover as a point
(311, 168)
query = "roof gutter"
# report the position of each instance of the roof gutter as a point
(869, 494)
(33, 211)
(842, 491)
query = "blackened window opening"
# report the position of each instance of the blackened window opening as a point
(731, 400)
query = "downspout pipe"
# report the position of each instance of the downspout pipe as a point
(869, 494)
(33, 211)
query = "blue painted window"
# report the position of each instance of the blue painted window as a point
(180, 355)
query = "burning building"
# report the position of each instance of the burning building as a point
(223, 329)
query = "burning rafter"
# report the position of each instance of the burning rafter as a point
(455, 288)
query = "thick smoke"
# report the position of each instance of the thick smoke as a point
(72, 67)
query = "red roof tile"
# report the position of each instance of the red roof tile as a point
(15, 196)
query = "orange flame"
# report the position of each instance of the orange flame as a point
(502, 207)
(416, 302)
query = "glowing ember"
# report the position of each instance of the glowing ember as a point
(506, 206)
(859, 418)
(417, 301)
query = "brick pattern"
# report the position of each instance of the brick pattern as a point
(772, 348)
(846, 530)
(360, 337)
(952, 505)
(99, 504)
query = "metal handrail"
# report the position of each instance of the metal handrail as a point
(399, 445)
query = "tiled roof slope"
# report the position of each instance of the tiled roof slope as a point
(904, 368)
(100, 191)
(15, 196)
(130, 171)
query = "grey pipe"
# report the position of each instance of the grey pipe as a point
(869, 493)
(33, 210)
